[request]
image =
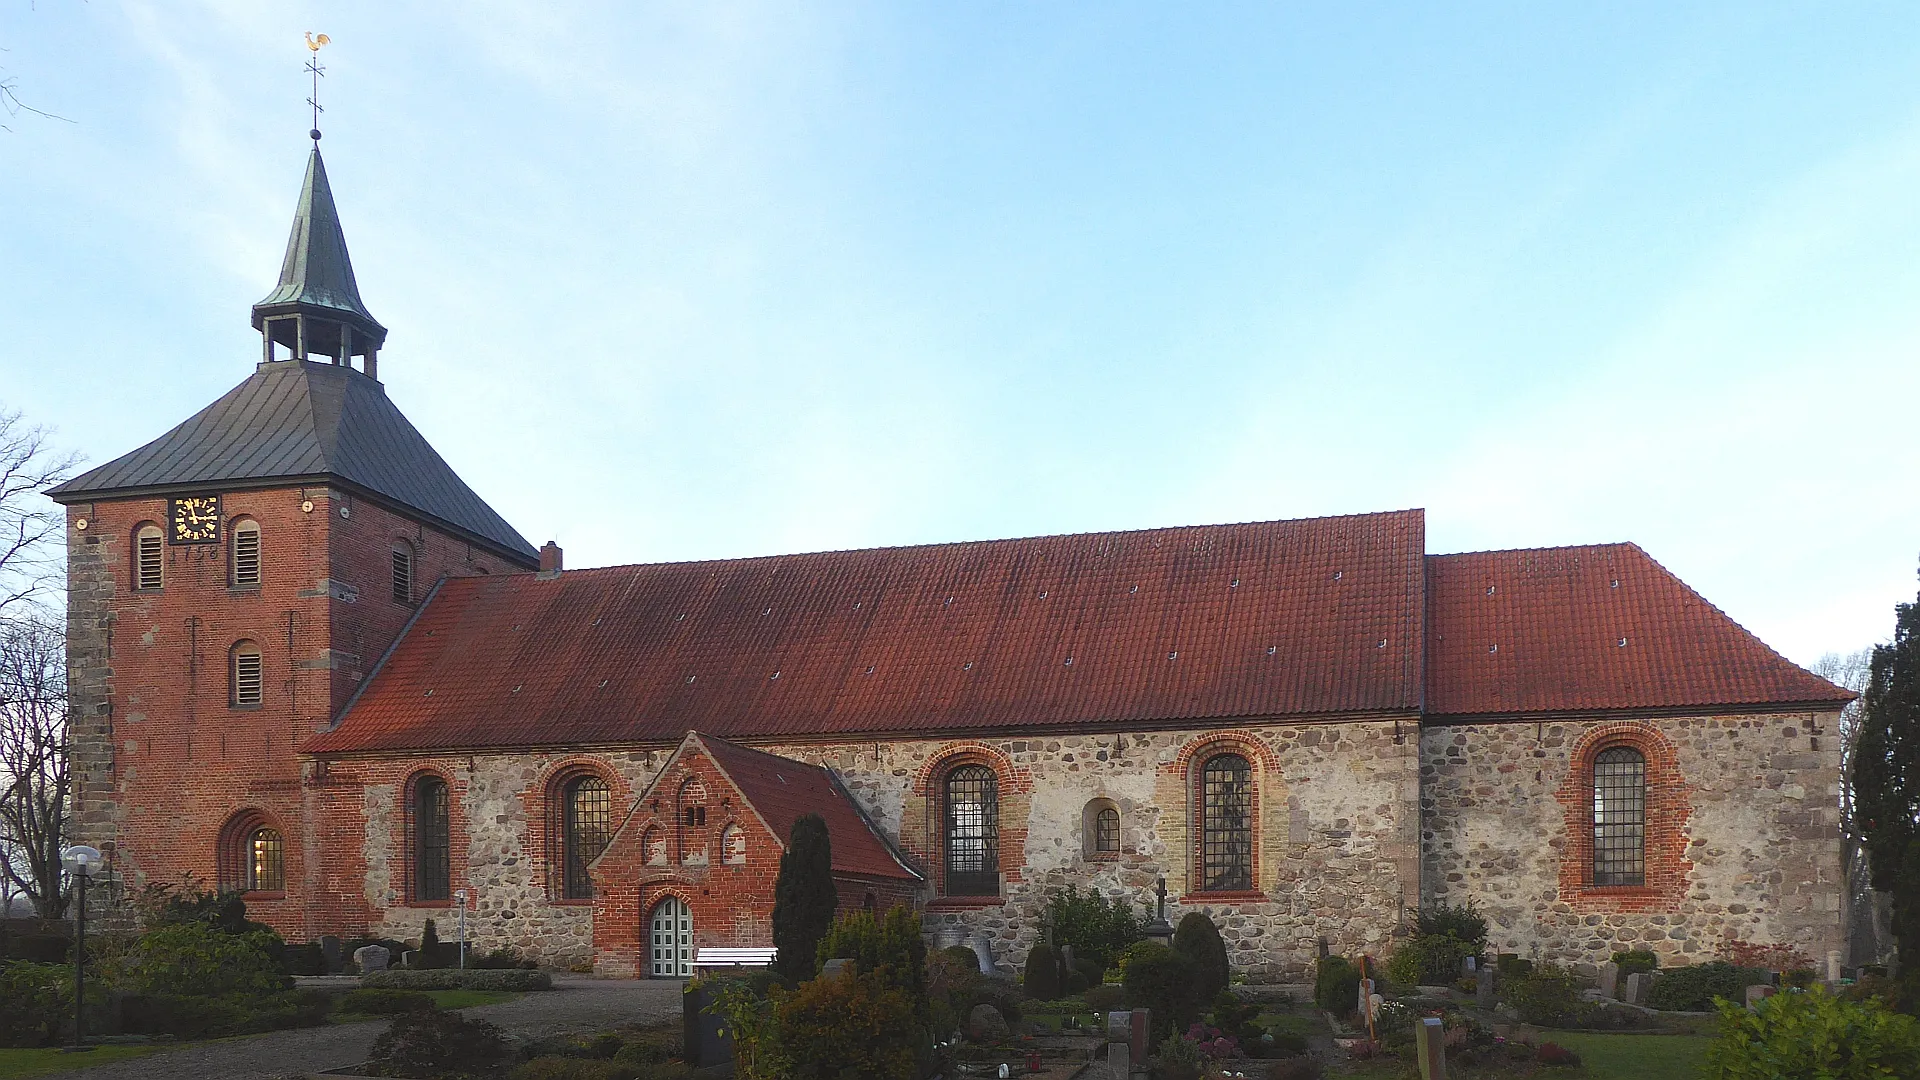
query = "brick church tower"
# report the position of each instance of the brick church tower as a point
(233, 582)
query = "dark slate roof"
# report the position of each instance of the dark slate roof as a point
(296, 420)
(1320, 617)
(1592, 629)
(317, 273)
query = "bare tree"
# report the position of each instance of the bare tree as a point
(35, 773)
(29, 464)
(1868, 939)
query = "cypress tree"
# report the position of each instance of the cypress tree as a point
(1198, 940)
(804, 898)
(1886, 779)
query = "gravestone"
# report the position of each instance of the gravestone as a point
(1483, 989)
(1140, 1045)
(371, 958)
(1066, 958)
(1834, 960)
(1638, 984)
(330, 958)
(1609, 979)
(1759, 993)
(1120, 1045)
(704, 1036)
(986, 1025)
(1429, 1041)
(834, 966)
(984, 951)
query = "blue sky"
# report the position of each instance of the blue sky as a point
(705, 280)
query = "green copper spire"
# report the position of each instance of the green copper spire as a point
(316, 307)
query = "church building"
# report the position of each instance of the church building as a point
(307, 661)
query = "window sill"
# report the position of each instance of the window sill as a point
(964, 903)
(574, 901)
(1104, 856)
(430, 903)
(263, 894)
(1225, 896)
(243, 590)
(245, 708)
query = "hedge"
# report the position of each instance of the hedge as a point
(458, 979)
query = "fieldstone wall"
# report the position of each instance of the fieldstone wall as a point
(1757, 848)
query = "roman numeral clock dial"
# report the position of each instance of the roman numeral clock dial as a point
(195, 520)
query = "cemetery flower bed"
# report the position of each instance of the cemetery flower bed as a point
(513, 979)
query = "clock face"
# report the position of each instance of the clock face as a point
(195, 520)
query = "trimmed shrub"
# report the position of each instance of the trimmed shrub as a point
(1548, 996)
(182, 1017)
(503, 958)
(1814, 1033)
(1513, 966)
(1336, 985)
(963, 956)
(1464, 924)
(375, 1002)
(1693, 989)
(1106, 998)
(1098, 928)
(574, 1068)
(1430, 960)
(432, 1045)
(1166, 982)
(303, 960)
(804, 898)
(197, 960)
(1198, 940)
(852, 1026)
(1635, 962)
(1041, 977)
(35, 1001)
(429, 952)
(457, 979)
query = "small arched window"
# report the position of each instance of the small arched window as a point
(733, 845)
(586, 823)
(432, 840)
(972, 832)
(246, 679)
(402, 572)
(148, 545)
(1226, 824)
(246, 553)
(693, 822)
(654, 843)
(266, 868)
(1106, 834)
(1620, 817)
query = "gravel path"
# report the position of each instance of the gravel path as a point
(575, 1004)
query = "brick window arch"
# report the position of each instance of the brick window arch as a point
(149, 557)
(430, 838)
(246, 675)
(1627, 810)
(244, 558)
(252, 855)
(1223, 794)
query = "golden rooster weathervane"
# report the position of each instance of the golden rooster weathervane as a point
(314, 42)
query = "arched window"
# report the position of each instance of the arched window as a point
(1106, 834)
(246, 553)
(246, 680)
(148, 544)
(1620, 817)
(693, 822)
(733, 845)
(432, 840)
(586, 824)
(654, 843)
(402, 572)
(1226, 824)
(972, 832)
(266, 868)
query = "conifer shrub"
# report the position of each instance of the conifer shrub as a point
(1549, 996)
(1198, 940)
(1099, 928)
(847, 1026)
(1167, 982)
(804, 898)
(1693, 989)
(1816, 1034)
(428, 955)
(517, 980)
(890, 946)
(1041, 976)
(1336, 985)
(434, 1045)
(369, 1001)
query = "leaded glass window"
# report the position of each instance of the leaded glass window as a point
(1620, 817)
(973, 832)
(266, 869)
(1226, 824)
(1106, 832)
(432, 868)
(586, 824)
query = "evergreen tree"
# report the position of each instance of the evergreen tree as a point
(1198, 940)
(430, 946)
(804, 898)
(1886, 779)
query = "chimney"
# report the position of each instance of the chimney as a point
(550, 558)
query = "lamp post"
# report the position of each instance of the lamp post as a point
(80, 861)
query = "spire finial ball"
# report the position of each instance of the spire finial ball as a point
(314, 134)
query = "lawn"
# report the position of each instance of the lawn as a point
(467, 999)
(16, 1063)
(1637, 1057)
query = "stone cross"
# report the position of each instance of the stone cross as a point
(1160, 891)
(371, 958)
(1430, 1046)
(1609, 979)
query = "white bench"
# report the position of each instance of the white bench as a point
(718, 958)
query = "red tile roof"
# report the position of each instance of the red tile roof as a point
(781, 789)
(1312, 618)
(1581, 629)
(1320, 617)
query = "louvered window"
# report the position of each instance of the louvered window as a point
(1226, 824)
(1620, 817)
(587, 825)
(973, 832)
(266, 861)
(432, 844)
(247, 676)
(246, 553)
(403, 575)
(147, 547)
